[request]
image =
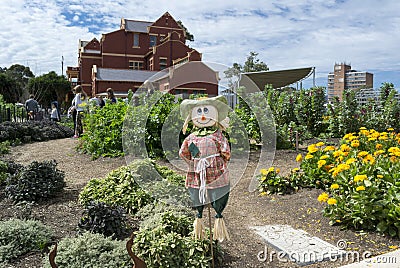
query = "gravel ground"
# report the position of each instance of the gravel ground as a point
(300, 210)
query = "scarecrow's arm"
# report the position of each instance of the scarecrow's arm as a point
(184, 152)
(224, 148)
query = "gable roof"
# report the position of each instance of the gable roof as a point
(135, 25)
(123, 75)
(279, 78)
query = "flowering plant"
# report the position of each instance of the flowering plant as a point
(361, 179)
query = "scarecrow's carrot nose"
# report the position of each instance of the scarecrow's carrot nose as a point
(203, 118)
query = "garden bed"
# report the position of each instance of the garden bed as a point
(300, 210)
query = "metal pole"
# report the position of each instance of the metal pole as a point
(211, 236)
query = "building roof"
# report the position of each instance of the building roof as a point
(136, 26)
(122, 75)
(279, 78)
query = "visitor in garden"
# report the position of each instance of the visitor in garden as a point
(111, 95)
(54, 116)
(32, 107)
(78, 104)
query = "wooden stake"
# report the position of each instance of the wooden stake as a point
(211, 236)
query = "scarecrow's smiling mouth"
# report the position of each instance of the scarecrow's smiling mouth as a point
(203, 123)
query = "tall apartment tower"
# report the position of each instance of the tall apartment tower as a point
(343, 77)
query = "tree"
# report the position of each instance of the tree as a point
(49, 87)
(14, 82)
(21, 75)
(385, 91)
(188, 35)
(6, 88)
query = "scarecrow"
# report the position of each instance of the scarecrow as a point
(207, 151)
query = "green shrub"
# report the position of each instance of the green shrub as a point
(35, 182)
(7, 168)
(4, 147)
(119, 188)
(101, 218)
(159, 248)
(36, 131)
(90, 251)
(270, 182)
(103, 131)
(18, 237)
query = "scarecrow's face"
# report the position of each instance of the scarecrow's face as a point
(204, 116)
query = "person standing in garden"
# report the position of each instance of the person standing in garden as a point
(54, 116)
(78, 104)
(111, 96)
(32, 107)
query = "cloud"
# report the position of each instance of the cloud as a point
(286, 34)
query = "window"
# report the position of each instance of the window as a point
(136, 65)
(163, 63)
(151, 64)
(153, 40)
(135, 39)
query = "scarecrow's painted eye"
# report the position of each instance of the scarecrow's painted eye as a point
(199, 111)
(205, 110)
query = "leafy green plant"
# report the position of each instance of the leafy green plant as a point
(159, 248)
(4, 147)
(270, 182)
(360, 178)
(18, 237)
(35, 182)
(90, 251)
(101, 218)
(119, 188)
(103, 131)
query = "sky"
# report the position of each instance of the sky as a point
(44, 34)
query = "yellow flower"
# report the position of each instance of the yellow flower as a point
(299, 157)
(378, 146)
(363, 128)
(379, 152)
(390, 129)
(383, 138)
(263, 178)
(379, 176)
(271, 169)
(337, 153)
(264, 172)
(393, 247)
(345, 148)
(324, 157)
(393, 159)
(319, 144)
(358, 178)
(355, 143)
(360, 188)
(308, 156)
(332, 201)
(312, 148)
(323, 197)
(339, 221)
(369, 159)
(393, 149)
(350, 161)
(277, 170)
(330, 148)
(372, 139)
(321, 163)
(295, 170)
(263, 194)
(335, 186)
(362, 154)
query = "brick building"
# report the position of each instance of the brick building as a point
(343, 77)
(125, 58)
